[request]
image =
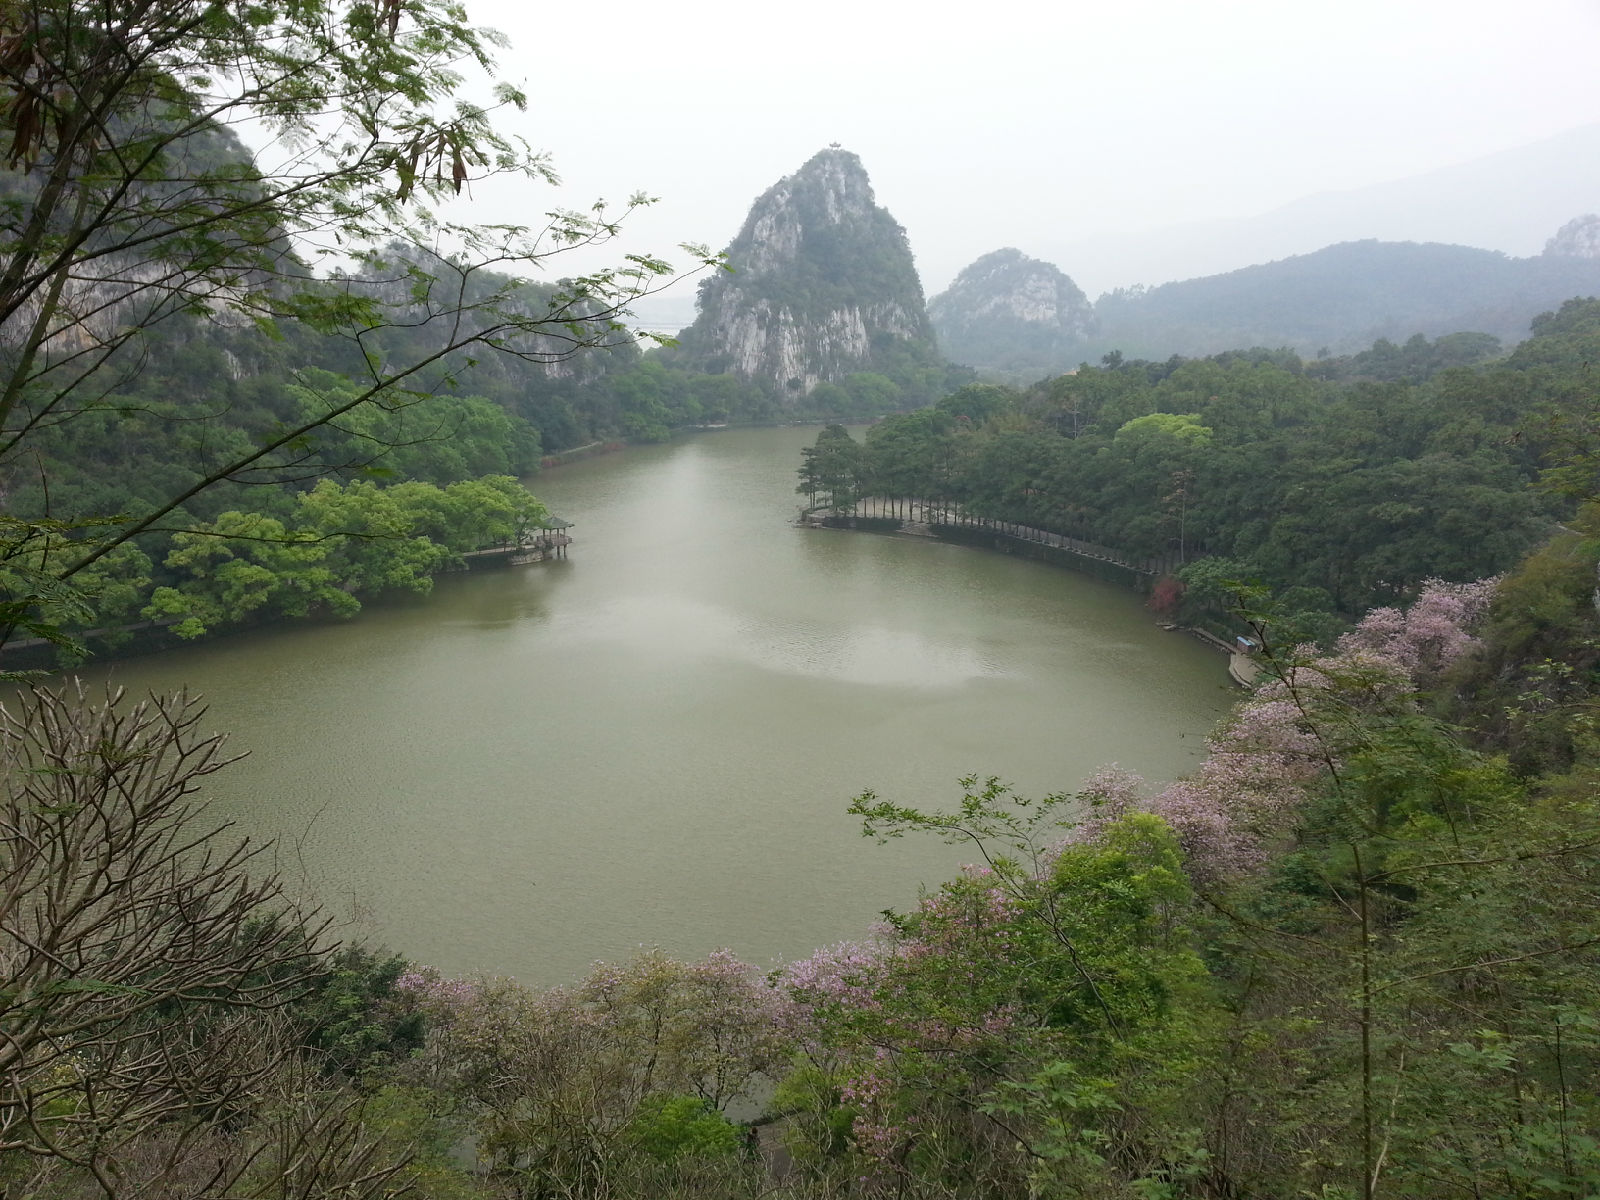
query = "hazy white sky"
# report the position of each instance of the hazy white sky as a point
(985, 125)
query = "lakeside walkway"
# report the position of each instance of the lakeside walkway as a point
(928, 514)
(923, 518)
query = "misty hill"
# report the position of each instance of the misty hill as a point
(823, 286)
(1012, 314)
(1578, 238)
(1509, 201)
(1343, 298)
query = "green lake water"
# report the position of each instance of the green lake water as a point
(653, 742)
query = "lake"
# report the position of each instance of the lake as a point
(653, 742)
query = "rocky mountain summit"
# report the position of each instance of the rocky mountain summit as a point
(1009, 312)
(823, 285)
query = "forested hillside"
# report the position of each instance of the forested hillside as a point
(172, 409)
(1335, 301)
(1013, 316)
(1341, 298)
(1341, 484)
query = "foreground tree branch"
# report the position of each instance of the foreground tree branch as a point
(137, 951)
(255, 165)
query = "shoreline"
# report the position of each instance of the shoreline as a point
(1054, 549)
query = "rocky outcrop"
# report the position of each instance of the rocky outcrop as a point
(1578, 238)
(822, 285)
(1009, 312)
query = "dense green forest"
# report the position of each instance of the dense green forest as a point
(1341, 484)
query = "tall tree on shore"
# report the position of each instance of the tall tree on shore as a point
(832, 467)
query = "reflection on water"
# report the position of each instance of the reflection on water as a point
(490, 599)
(655, 740)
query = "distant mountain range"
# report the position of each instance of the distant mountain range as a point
(1338, 300)
(1343, 298)
(823, 285)
(1512, 202)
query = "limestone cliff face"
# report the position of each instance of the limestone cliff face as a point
(1010, 312)
(1578, 238)
(822, 285)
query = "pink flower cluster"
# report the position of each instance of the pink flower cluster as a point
(844, 976)
(878, 1135)
(1107, 795)
(1429, 636)
(441, 999)
(970, 922)
(967, 935)
(1262, 764)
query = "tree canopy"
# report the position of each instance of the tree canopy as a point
(175, 165)
(1342, 488)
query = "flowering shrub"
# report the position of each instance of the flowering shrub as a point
(440, 999)
(705, 1029)
(829, 982)
(640, 1057)
(1428, 637)
(1285, 741)
(925, 1039)
(1107, 795)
